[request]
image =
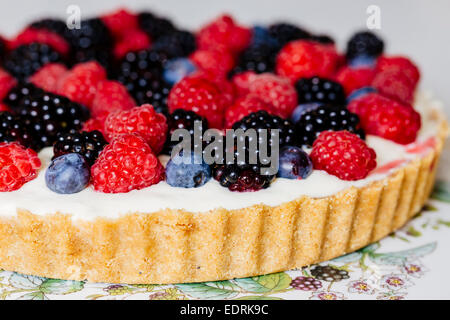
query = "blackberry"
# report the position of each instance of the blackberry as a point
(323, 39)
(50, 24)
(155, 26)
(182, 119)
(176, 44)
(46, 115)
(87, 144)
(329, 273)
(364, 43)
(258, 58)
(26, 59)
(286, 32)
(141, 64)
(326, 117)
(241, 178)
(92, 33)
(102, 56)
(19, 92)
(306, 283)
(321, 90)
(12, 129)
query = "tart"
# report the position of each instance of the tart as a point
(100, 202)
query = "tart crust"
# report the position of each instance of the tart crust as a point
(175, 246)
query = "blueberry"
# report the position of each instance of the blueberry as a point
(69, 173)
(359, 93)
(302, 109)
(362, 61)
(261, 36)
(294, 163)
(187, 172)
(176, 69)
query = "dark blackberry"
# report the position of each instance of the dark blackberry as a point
(306, 283)
(323, 39)
(182, 119)
(329, 273)
(12, 129)
(321, 90)
(326, 117)
(155, 26)
(286, 32)
(26, 59)
(241, 178)
(50, 24)
(141, 64)
(92, 33)
(364, 43)
(3, 50)
(176, 44)
(20, 91)
(46, 115)
(102, 56)
(258, 58)
(87, 144)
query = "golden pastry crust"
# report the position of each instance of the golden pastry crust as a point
(174, 246)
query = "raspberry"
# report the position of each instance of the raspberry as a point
(111, 96)
(120, 22)
(198, 94)
(141, 120)
(277, 91)
(50, 38)
(241, 82)
(243, 106)
(400, 64)
(81, 82)
(49, 76)
(395, 85)
(224, 33)
(126, 164)
(4, 107)
(352, 79)
(133, 40)
(386, 118)
(7, 82)
(18, 165)
(215, 61)
(94, 125)
(343, 154)
(305, 59)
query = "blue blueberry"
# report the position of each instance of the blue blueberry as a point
(358, 93)
(176, 69)
(301, 109)
(362, 61)
(294, 163)
(69, 173)
(191, 172)
(261, 36)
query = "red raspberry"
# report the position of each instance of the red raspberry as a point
(402, 65)
(49, 76)
(219, 62)
(241, 82)
(132, 40)
(18, 165)
(111, 96)
(4, 107)
(7, 81)
(343, 154)
(305, 59)
(352, 79)
(386, 118)
(95, 124)
(277, 91)
(395, 85)
(200, 95)
(120, 21)
(49, 38)
(224, 33)
(243, 106)
(80, 83)
(126, 164)
(143, 120)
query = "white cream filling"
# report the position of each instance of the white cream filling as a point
(89, 204)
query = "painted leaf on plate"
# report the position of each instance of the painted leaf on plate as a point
(263, 284)
(209, 290)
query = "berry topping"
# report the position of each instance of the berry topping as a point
(49, 77)
(343, 154)
(364, 43)
(276, 91)
(218, 62)
(294, 163)
(50, 24)
(177, 69)
(358, 93)
(400, 64)
(18, 165)
(26, 59)
(301, 109)
(395, 85)
(304, 59)
(258, 58)
(319, 90)
(120, 22)
(326, 117)
(154, 26)
(143, 120)
(386, 118)
(7, 82)
(13, 129)
(128, 163)
(286, 32)
(241, 82)
(133, 40)
(176, 44)
(187, 172)
(87, 144)
(50, 38)
(352, 79)
(243, 106)
(111, 96)
(69, 173)
(241, 178)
